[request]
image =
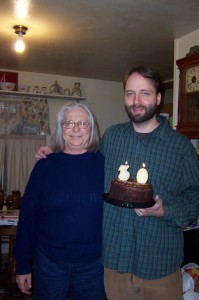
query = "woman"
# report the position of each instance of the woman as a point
(60, 223)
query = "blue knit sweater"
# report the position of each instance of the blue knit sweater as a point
(61, 211)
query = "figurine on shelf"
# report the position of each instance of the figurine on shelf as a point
(36, 89)
(44, 90)
(56, 89)
(67, 91)
(76, 90)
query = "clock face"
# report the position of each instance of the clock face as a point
(192, 79)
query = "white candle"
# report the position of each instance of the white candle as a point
(142, 175)
(124, 174)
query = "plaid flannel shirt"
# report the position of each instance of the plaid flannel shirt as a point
(150, 247)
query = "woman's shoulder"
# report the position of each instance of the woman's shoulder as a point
(97, 155)
(50, 158)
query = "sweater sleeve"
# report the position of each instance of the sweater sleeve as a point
(24, 245)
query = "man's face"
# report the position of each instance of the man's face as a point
(141, 99)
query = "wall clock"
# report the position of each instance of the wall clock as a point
(192, 79)
(188, 100)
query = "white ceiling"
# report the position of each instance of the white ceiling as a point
(96, 38)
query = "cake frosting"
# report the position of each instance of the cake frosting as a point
(131, 191)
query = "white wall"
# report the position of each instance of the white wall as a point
(168, 96)
(105, 98)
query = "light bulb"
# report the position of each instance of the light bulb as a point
(19, 45)
(21, 8)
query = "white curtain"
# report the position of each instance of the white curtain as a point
(24, 116)
(17, 158)
(2, 156)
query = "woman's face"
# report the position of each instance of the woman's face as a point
(75, 134)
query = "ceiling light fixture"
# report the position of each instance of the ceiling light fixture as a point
(20, 30)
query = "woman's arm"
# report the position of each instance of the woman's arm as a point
(24, 283)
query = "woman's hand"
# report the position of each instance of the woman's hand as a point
(24, 283)
(42, 152)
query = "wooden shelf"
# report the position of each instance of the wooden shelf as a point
(36, 95)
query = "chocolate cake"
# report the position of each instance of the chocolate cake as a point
(131, 191)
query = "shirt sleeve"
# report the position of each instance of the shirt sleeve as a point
(185, 207)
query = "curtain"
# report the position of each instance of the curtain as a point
(36, 112)
(2, 156)
(9, 115)
(24, 123)
(24, 116)
(18, 159)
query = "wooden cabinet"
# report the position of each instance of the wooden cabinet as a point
(188, 102)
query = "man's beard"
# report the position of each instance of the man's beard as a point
(150, 111)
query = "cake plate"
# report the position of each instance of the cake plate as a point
(126, 204)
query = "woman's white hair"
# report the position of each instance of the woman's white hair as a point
(57, 142)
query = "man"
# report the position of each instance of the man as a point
(143, 248)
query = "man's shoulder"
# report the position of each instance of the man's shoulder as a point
(177, 136)
(167, 132)
(117, 127)
(178, 142)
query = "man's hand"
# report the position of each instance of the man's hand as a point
(24, 283)
(42, 152)
(155, 211)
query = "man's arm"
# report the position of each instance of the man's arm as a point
(42, 152)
